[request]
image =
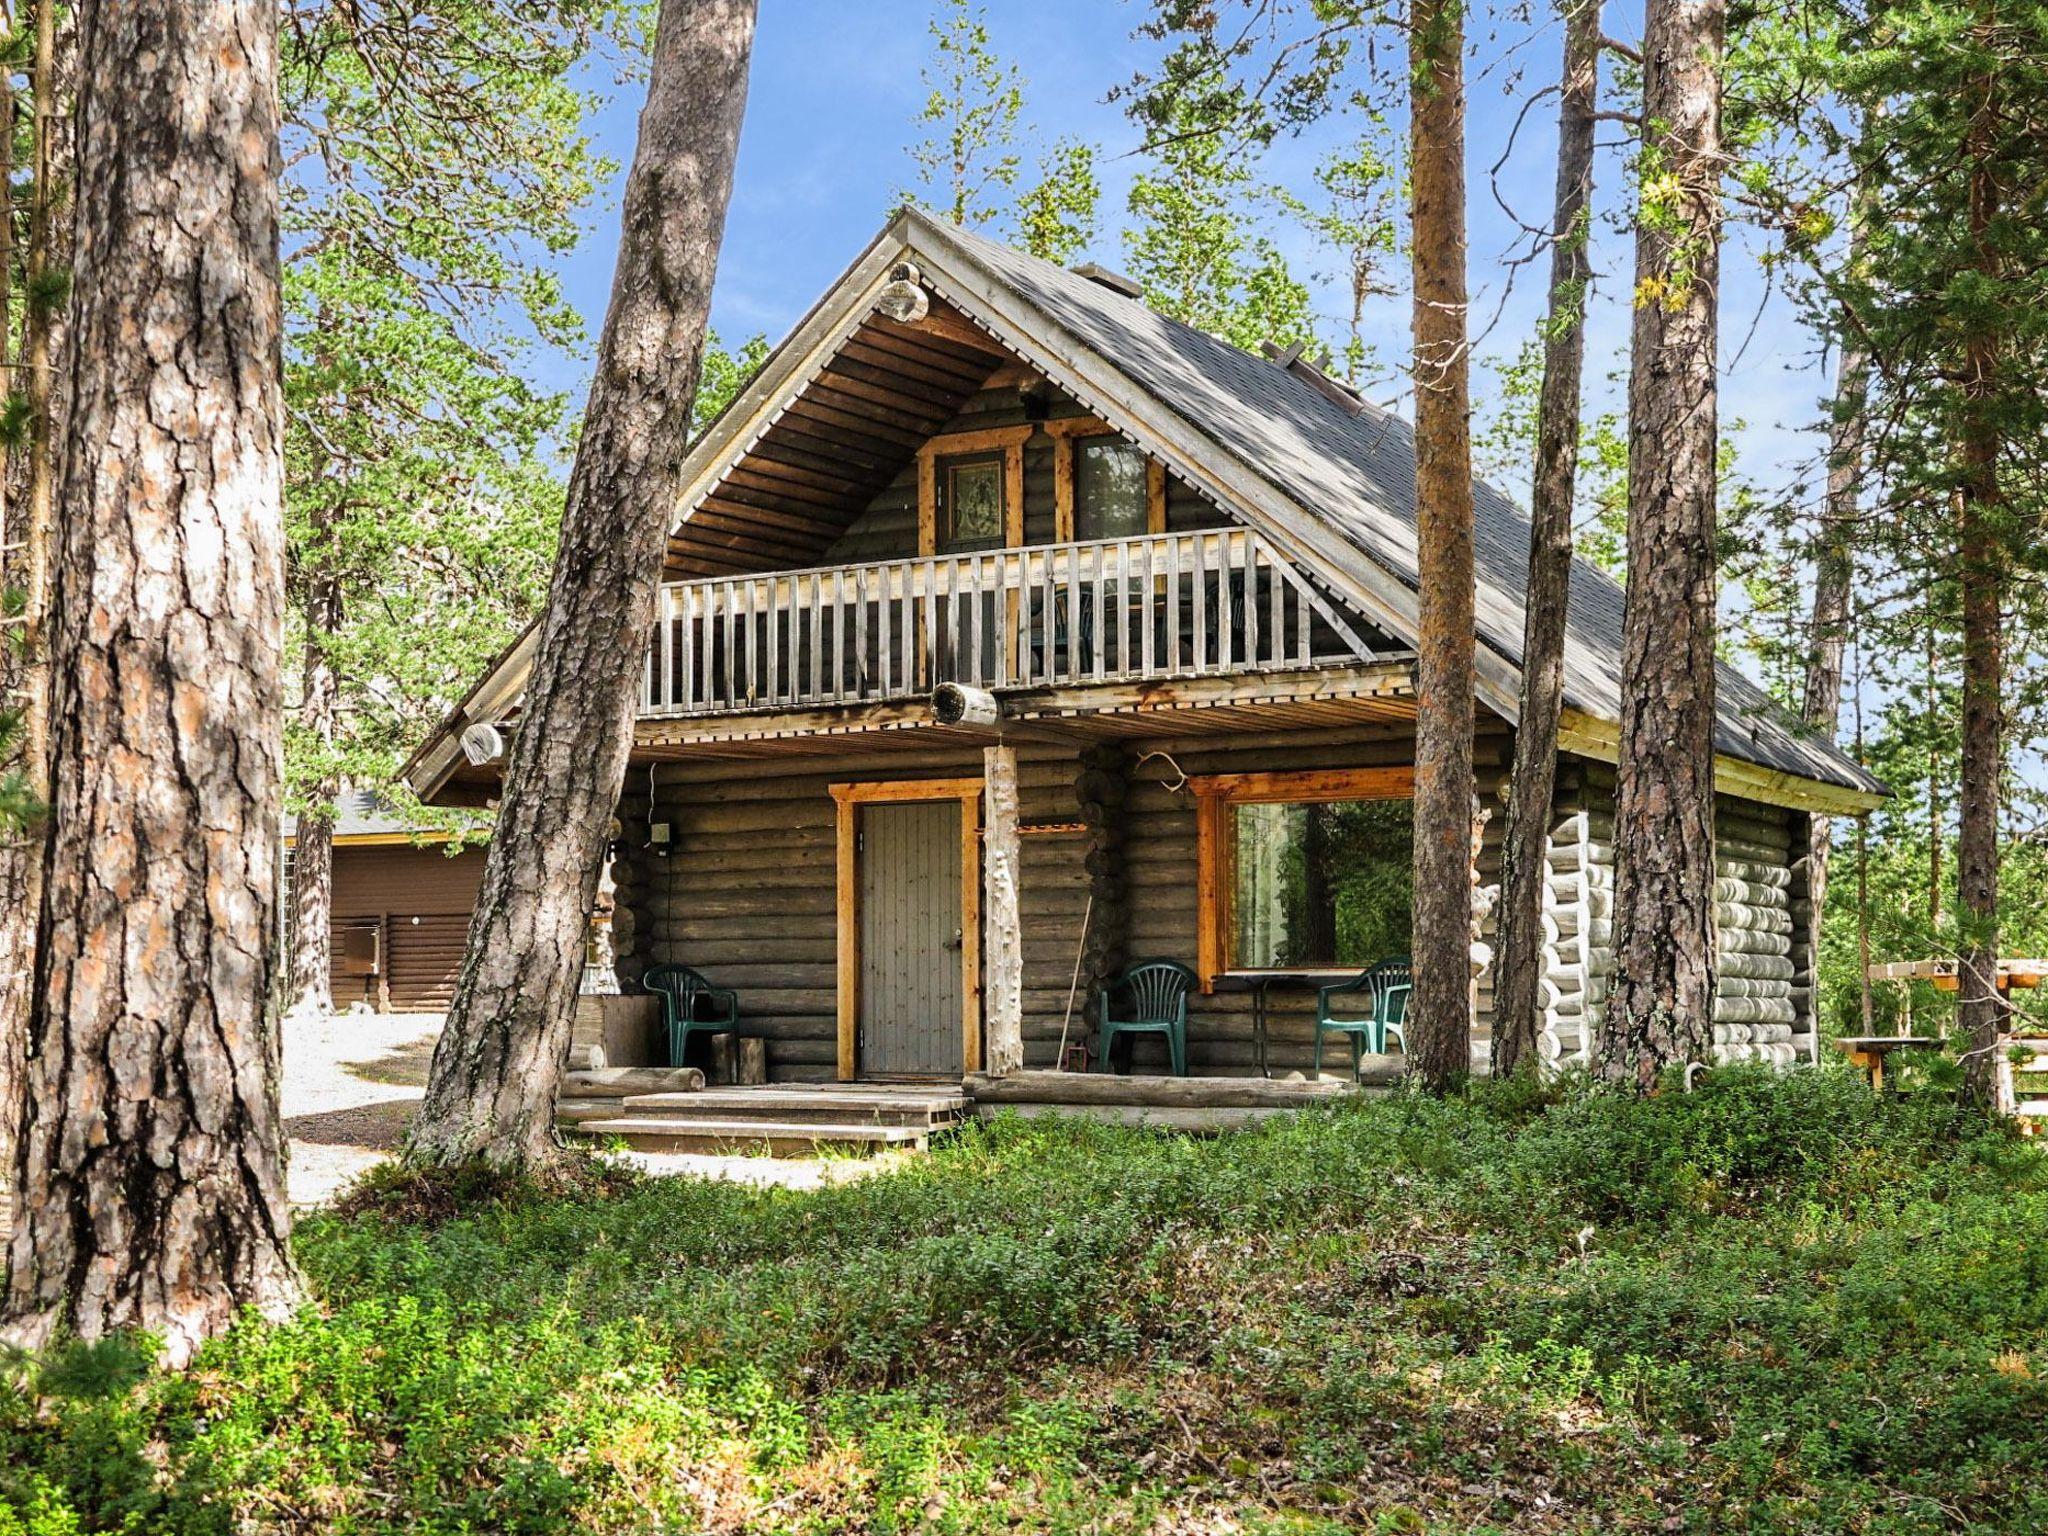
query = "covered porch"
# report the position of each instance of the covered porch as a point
(894, 900)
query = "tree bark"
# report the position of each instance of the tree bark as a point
(1834, 568)
(1517, 1004)
(1981, 575)
(24, 669)
(312, 885)
(1661, 1005)
(496, 1069)
(149, 1189)
(1440, 1020)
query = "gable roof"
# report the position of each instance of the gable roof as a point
(1355, 473)
(1330, 481)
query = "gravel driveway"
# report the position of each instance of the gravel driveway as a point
(351, 1081)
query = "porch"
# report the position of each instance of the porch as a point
(925, 903)
(806, 1119)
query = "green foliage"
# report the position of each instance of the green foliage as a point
(1773, 1304)
(439, 165)
(1355, 215)
(1056, 216)
(969, 164)
(723, 375)
(1192, 244)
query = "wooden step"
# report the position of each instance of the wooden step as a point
(924, 1110)
(647, 1133)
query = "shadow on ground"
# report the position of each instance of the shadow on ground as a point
(403, 1066)
(372, 1126)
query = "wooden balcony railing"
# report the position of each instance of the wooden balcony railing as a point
(1164, 606)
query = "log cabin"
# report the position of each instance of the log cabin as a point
(1010, 631)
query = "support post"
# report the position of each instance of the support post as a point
(1002, 917)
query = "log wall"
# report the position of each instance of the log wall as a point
(745, 890)
(1764, 988)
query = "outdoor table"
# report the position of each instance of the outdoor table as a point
(1869, 1051)
(1260, 983)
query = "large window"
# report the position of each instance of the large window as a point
(1304, 870)
(1321, 884)
(1109, 489)
(970, 503)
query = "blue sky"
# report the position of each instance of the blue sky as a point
(836, 85)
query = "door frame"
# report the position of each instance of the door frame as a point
(848, 800)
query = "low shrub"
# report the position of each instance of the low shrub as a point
(1775, 1304)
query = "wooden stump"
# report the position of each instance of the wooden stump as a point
(738, 1061)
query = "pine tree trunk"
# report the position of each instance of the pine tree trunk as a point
(491, 1092)
(149, 1189)
(1439, 1032)
(1981, 575)
(1660, 1009)
(312, 916)
(1517, 1004)
(1834, 570)
(24, 670)
(312, 886)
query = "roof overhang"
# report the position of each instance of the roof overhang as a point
(1590, 736)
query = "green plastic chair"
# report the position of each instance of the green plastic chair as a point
(690, 1005)
(1390, 983)
(1156, 1003)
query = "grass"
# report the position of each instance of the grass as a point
(1774, 1305)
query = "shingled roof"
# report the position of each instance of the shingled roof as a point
(1353, 468)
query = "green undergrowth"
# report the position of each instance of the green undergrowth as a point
(1772, 1305)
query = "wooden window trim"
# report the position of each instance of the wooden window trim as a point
(847, 801)
(1216, 851)
(1009, 441)
(1065, 434)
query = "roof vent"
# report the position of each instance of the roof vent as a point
(1338, 393)
(1115, 282)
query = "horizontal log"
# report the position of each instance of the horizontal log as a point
(1153, 1092)
(617, 1082)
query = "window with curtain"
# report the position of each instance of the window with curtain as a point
(1321, 884)
(1109, 489)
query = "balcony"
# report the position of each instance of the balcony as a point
(1162, 607)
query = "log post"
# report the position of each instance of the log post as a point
(1002, 916)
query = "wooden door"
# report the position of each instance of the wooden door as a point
(911, 940)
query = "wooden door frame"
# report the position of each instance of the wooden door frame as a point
(848, 800)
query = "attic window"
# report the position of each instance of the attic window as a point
(971, 503)
(1109, 489)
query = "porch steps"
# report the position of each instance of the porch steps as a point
(785, 1120)
(644, 1133)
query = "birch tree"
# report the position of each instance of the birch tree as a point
(497, 1066)
(149, 1187)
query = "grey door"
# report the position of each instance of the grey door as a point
(910, 940)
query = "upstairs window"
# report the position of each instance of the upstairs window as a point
(970, 503)
(1109, 489)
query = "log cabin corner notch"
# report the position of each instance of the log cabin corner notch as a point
(1153, 542)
